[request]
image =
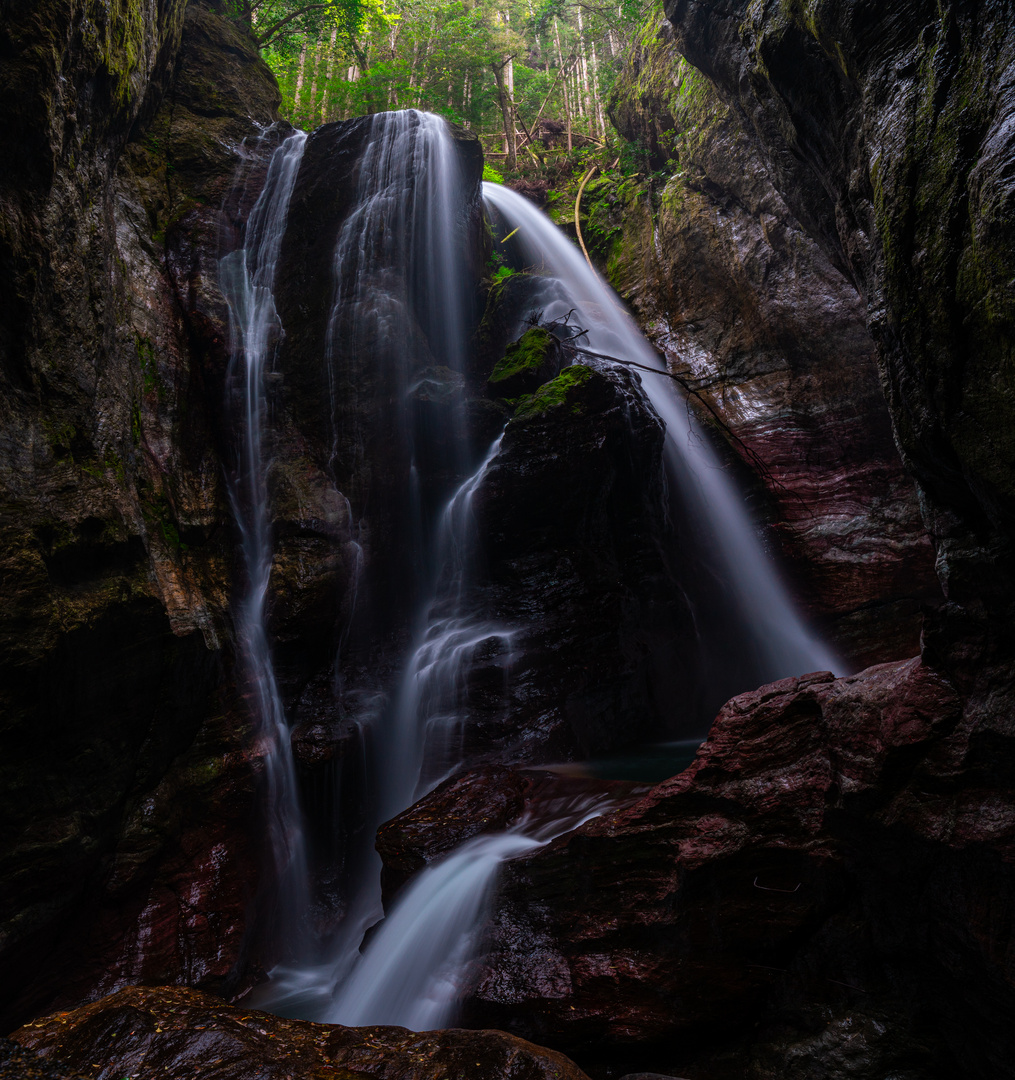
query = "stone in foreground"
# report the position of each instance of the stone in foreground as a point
(176, 1032)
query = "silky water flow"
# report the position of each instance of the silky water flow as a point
(411, 970)
(247, 276)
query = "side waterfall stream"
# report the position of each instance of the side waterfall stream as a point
(410, 972)
(248, 276)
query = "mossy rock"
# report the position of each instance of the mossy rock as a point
(527, 364)
(566, 391)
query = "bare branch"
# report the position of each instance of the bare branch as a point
(272, 32)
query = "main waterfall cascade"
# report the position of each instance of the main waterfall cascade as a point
(400, 299)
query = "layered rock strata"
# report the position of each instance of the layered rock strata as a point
(755, 316)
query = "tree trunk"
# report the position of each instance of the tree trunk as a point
(313, 84)
(299, 76)
(584, 72)
(507, 112)
(596, 96)
(329, 69)
(563, 83)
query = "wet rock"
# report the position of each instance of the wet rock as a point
(772, 333)
(17, 1063)
(510, 304)
(527, 363)
(573, 541)
(122, 733)
(888, 133)
(179, 1032)
(477, 801)
(486, 800)
(838, 843)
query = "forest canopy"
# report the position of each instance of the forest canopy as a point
(530, 77)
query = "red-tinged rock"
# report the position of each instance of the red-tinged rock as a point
(771, 332)
(481, 800)
(837, 844)
(181, 1033)
(484, 800)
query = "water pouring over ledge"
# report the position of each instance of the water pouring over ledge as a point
(414, 969)
(407, 177)
(247, 276)
(782, 643)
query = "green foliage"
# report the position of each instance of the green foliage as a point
(491, 174)
(555, 62)
(555, 394)
(527, 354)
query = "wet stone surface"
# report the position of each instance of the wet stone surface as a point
(174, 1033)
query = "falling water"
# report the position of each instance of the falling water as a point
(247, 276)
(400, 303)
(782, 644)
(411, 973)
(400, 299)
(427, 719)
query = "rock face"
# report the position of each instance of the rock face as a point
(750, 310)
(837, 859)
(488, 799)
(177, 1033)
(121, 735)
(575, 561)
(879, 135)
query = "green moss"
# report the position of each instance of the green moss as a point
(146, 359)
(527, 354)
(122, 45)
(556, 393)
(159, 514)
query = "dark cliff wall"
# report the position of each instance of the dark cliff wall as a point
(121, 741)
(887, 130)
(746, 305)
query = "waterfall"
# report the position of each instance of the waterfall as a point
(412, 972)
(247, 276)
(400, 300)
(781, 643)
(429, 712)
(398, 320)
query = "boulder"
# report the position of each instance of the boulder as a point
(178, 1033)
(838, 844)
(486, 800)
(527, 363)
(573, 556)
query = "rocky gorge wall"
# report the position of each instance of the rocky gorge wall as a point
(750, 311)
(124, 758)
(866, 163)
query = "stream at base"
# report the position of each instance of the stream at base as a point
(411, 968)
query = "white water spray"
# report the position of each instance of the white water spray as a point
(247, 276)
